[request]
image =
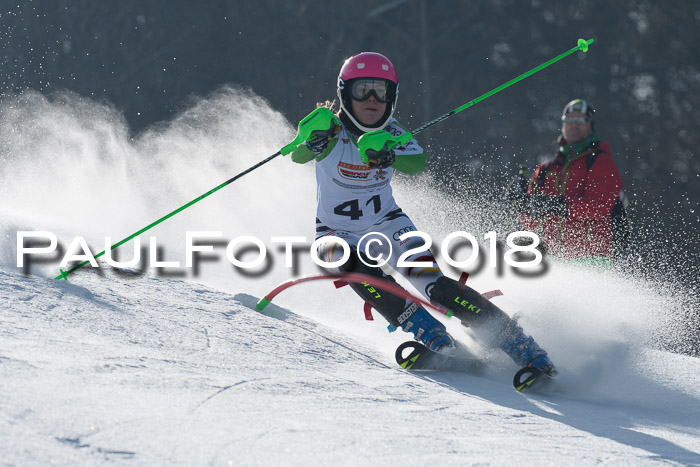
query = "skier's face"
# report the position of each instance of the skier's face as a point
(576, 127)
(368, 112)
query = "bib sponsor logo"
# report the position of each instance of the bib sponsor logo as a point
(380, 175)
(393, 130)
(398, 233)
(353, 172)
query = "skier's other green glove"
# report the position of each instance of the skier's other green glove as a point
(377, 148)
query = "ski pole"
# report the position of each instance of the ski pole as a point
(582, 46)
(64, 274)
(305, 127)
(311, 123)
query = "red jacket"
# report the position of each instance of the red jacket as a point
(590, 193)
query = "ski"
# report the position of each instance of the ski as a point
(420, 357)
(531, 379)
(412, 355)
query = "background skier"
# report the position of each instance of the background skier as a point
(570, 198)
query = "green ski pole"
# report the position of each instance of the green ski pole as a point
(317, 120)
(582, 46)
(64, 274)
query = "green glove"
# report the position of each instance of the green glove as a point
(316, 129)
(377, 147)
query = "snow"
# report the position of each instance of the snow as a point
(145, 370)
(174, 367)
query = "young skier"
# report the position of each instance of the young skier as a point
(355, 160)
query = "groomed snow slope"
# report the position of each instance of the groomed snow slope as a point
(143, 371)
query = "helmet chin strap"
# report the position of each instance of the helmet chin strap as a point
(366, 129)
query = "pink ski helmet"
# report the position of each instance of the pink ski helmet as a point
(364, 68)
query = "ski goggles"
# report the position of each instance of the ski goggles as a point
(362, 88)
(575, 119)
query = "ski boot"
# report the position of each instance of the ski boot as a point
(525, 352)
(427, 330)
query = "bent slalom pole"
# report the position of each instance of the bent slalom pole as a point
(357, 278)
(311, 123)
